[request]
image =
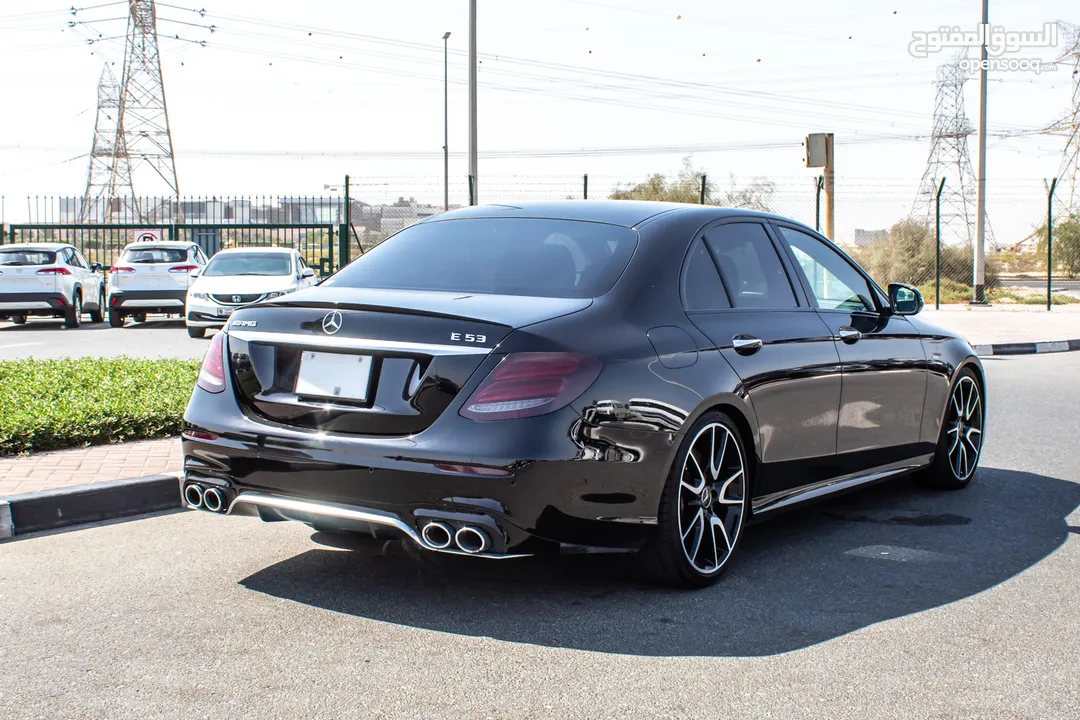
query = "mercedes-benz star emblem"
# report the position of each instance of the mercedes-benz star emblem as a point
(331, 323)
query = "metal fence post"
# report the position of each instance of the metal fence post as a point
(343, 232)
(586, 186)
(937, 235)
(703, 176)
(471, 202)
(1050, 244)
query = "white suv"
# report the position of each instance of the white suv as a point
(242, 276)
(50, 280)
(152, 277)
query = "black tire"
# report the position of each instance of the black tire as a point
(139, 317)
(196, 332)
(73, 316)
(98, 315)
(951, 468)
(666, 558)
(18, 319)
(116, 320)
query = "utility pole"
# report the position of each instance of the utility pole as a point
(980, 221)
(446, 126)
(819, 153)
(473, 170)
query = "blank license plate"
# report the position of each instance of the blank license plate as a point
(333, 375)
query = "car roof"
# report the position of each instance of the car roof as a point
(265, 250)
(627, 213)
(159, 244)
(51, 247)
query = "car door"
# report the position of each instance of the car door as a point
(884, 365)
(92, 282)
(738, 291)
(74, 278)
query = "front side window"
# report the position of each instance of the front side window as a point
(833, 281)
(751, 269)
(503, 256)
(248, 264)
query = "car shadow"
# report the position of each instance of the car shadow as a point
(800, 579)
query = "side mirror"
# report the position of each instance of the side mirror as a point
(96, 267)
(307, 272)
(905, 300)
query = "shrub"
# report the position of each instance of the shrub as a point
(908, 255)
(53, 404)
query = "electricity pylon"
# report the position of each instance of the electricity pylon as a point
(1068, 193)
(949, 159)
(107, 160)
(143, 121)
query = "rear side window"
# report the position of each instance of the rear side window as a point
(152, 255)
(27, 257)
(702, 289)
(750, 267)
(504, 256)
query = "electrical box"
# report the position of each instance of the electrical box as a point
(815, 150)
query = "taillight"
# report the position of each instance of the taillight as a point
(121, 269)
(212, 372)
(54, 271)
(183, 268)
(529, 384)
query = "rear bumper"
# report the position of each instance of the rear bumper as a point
(51, 303)
(563, 490)
(147, 301)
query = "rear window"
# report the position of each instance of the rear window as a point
(503, 256)
(248, 264)
(27, 257)
(150, 255)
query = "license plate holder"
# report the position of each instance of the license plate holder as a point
(333, 375)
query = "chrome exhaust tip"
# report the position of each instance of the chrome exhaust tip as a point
(437, 535)
(193, 495)
(213, 500)
(471, 540)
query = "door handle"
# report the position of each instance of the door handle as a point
(746, 344)
(850, 335)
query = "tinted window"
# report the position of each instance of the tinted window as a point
(833, 281)
(506, 256)
(750, 267)
(149, 255)
(248, 264)
(702, 288)
(27, 257)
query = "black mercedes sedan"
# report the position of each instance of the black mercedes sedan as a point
(502, 381)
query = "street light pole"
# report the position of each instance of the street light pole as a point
(980, 218)
(473, 174)
(446, 128)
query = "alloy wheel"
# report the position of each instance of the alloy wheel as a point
(712, 491)
(965, 425)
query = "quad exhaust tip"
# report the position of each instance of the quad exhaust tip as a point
(471, 540)
(437, 535)
(193, 494)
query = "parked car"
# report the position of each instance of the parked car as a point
(49, 280)
(241, 276)
(152, 277)
(503, 381)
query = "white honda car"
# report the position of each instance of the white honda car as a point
(241, 276)
(51, 280)
(152, 277)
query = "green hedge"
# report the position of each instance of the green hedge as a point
(54, 404)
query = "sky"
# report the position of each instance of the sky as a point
(286, 98)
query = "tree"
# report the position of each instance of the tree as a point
(1066, 244)
(685, 187)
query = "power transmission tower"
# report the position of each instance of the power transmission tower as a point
(143, 120)
(949, 159)
(108, 160)
(1068, 193)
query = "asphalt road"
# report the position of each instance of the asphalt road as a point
(892, 603)
(47, 338)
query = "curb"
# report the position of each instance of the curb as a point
(1027, 348)
(52, 509)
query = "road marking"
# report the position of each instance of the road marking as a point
(8, 347)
